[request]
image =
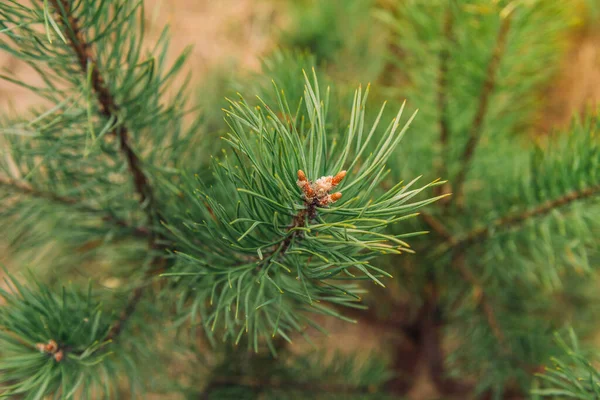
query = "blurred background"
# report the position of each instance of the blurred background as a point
(233, 36)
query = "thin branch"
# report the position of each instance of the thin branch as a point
(458, 263)
(431, 326)
(442, 97)
(110, 109)
(126, 313)
(513, 220)
(260, 385)
(483, 302)
(482, 108)
(108, 106)
(437, 226)
(26, 189)
(443, 81)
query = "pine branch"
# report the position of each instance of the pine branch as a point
(127, 312)
(108, 106)
(514, 220)
(110, 109)
(26, 189)
(437, 226)
(458, 263)
(261, 385)
(431, 326)
(486, 93)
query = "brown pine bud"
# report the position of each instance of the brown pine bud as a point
(59, 355)
(51, 347)
(308, 191)
(41, 347)
(301, 176)
(336, 196)
(338, 178)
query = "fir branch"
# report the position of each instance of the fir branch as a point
(26, 189)
(486, 93)
(514, 220)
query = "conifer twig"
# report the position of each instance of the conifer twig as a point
(437, 226)
(489, 85)
(108, 106)
(126, 313)
(487, 309)
(513, 220)
(25, 188)
(442, 98)
(443, 81)
(431, 327)
(109, 109)
(262, 384)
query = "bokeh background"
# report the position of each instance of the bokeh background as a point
(233, 36)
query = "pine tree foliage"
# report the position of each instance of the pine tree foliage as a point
(300, 205)
(251, 249)
(338, 30)
(300, 246)
(572, 375)
(67, 324)
(520, 224)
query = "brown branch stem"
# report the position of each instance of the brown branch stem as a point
(108, 106)
(436, 225)
(458, 263)
(27, 189)
(506, 222)
(489, 85)
(110, 109)
(126, 313)
(262, 384)
(442, 102)
(514, 220)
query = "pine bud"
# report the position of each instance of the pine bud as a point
(301, 176)
(41, 347)
(336, 196)
(338, 178)
(51, 347)
(59, 355)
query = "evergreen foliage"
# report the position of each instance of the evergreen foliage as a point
(213, 244)
(572, 374)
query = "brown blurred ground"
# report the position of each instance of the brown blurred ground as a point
(233, 32)
(578, 85)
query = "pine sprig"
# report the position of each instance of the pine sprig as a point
(54, 344)
(571, 376)
(280, 240)
(469, 66)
